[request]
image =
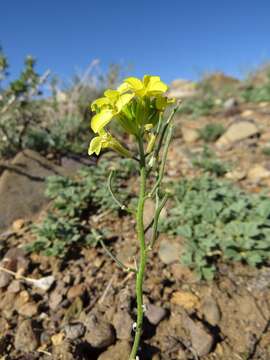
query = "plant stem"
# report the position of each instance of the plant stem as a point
(141, 238)
(159, 206)
(121, 206)
(118, 262)
(168, 138)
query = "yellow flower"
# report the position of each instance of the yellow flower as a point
(149, 101)
(108, 107)
(150, 86)
(107, 101)
(105, 140)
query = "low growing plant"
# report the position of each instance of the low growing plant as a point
(266, 150)
(211, 132)
(72, 201)
(197, 106)
(208, 162)
(138, 107)
(261, 93)
(218, 221)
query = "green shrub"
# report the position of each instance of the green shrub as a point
(208, 162)
(211, 132)
(266, 150)
(74, 200)
(219, 221)
(257, 93)
(197, 106)
(55, 123)
(19, 105)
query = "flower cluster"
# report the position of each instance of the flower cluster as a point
(136, 105)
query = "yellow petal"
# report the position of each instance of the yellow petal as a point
(106, 140)
(122, 101)
(100, 120)
(95, 146)
(134, 83)
(113, 95)
(154, 85)
(99, 103)
(123, 88)
(147, 78)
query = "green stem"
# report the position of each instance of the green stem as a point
(163, 161)
(159, 206)
(121, 206)
(141, 238)
(162, 131)
(118, 262)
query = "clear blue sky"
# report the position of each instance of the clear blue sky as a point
(170, 38)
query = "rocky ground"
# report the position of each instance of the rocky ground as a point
(84, 308)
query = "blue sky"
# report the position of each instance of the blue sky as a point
(172, 38)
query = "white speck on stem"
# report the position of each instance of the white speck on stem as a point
(134, 326)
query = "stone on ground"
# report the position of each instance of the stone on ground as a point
(25, 338)
(155, 314)
(238, 131)
(190, 134)
(123, 323)
(100, 334)
(119, 351)
(22, 187)
(170, 250)
(202, 341)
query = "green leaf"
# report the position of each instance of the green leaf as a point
(208, 273)
(254, 258)
(185, 231)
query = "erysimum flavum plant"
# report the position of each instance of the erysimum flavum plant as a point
(138, 106)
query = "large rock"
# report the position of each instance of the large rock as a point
(238, 131)
(22, 187)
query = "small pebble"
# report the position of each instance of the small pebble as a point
(155, 314)
(74, 331)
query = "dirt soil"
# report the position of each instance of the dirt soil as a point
(85, 307)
